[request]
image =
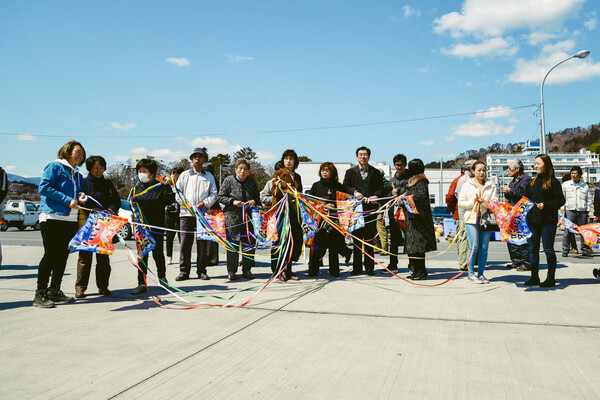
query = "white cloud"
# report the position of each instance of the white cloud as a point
(479, 129)
(537, 37)
(533, 71)
(122, 127)
(493, 18)
(26, 137)
(424, 69)
(494, 112)
(266, 155)
(178, 61)
(591, 22)
(9, 168)
(119, 158)
(488, 48)
(215, 145)
(409, 11)
(427, 143)
(450, 138)
(232, 58)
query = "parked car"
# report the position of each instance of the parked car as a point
(21, 214)
(440, 212)
(126, 232)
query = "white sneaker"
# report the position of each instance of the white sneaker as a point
(483, 279)
(474, 279)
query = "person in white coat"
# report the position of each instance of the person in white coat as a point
(478, 238)
(577, 203)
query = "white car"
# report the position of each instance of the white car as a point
(21, 213)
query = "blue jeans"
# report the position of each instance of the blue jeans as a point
(546, 233)
(478, 241)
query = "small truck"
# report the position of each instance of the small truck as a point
(21, 214)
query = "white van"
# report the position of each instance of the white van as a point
(21, 214)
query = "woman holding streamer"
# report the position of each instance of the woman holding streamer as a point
(327, 237)
(102, 196)
(59, 187)
(239, 193)
(285, 178)
(420, 234)
(479, 239)
(546, 191)
(150, 197)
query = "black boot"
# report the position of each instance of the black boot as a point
(41, 299)
(57, 295)
(535, 277)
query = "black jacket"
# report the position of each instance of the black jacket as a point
(354, 182)
(103, 191)
(326, 189)
(518, 187)
(597, 202)
(552, 198)
(153, 202)
(420, 234)
(3, 184)
(400, 183)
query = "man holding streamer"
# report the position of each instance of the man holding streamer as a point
(194, 187)
(366, 183)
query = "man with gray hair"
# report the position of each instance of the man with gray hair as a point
(519, 253)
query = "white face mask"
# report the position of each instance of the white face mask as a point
(143, 177)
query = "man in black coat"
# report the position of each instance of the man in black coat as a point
(3, 192)
(398, 187)
(519, 253)
(365, 182)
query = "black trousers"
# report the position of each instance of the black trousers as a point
(395, 241)
(323, 241)
(417, 261)
(171, 222)
(288, 254)
(243, 244)
(367, 233)
(519, 253)
(188, 225)
(159, 258)
(56, 236)
(84, 267)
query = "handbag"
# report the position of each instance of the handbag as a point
(488, 223)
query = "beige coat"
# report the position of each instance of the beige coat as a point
(466, 198)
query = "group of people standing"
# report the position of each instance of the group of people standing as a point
(168, 209)
(549, 196)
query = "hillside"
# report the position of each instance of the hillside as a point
(569, 140)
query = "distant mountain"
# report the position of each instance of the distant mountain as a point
(17, 178)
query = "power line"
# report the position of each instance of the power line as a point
(320, 128)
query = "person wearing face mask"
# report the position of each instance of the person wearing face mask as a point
(103, 191)
(287, 176)
(478, 238)
(198, 188)
(59, 188)
(150, 197)
(546, 192)
(239, 194)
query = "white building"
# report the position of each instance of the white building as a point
(439, 181)
(497, 164)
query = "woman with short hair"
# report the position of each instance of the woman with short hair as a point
(239, 193)
(103, 191)
(287, 176)
(420, 234)
(546, 191)
(59, 188)
(478, 238)
(327, 237)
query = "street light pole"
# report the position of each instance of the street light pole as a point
(580, 54)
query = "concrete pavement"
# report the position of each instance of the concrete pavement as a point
(352, 337)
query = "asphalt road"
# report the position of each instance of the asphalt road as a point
(498, 252)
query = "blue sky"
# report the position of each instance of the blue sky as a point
(161, 77)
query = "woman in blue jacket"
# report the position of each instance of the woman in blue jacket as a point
(59, 187)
